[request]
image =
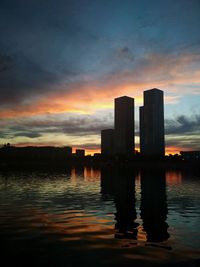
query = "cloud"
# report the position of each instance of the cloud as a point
(86, 93)
(181, 143)
(76, 56)
(125, 53)
(72, 125)
(88, 146)
(183, 125)
(83, 131)
(45, 43)
(6, 62)
(57, 50)
(183, 133)
(22, 79)
(25, 133)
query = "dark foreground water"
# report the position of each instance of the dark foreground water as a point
(87, 217)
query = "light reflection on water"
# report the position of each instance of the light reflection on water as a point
(87, 209)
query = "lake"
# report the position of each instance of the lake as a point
(100, 217)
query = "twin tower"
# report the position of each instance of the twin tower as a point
(121, 139)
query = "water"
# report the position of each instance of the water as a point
(102, 217)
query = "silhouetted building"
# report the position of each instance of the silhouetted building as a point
(97, 155)
(190, 155)
(152, 123)
(68, 150)
(107, 142)
(124, 126)
(154, 205)
(80, 153)
(31, 153)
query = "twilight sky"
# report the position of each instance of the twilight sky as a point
(63, 62)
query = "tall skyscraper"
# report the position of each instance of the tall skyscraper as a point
(124, 126)
(107, 142)
(152, 123)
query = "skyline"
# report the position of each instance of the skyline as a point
(62, 64)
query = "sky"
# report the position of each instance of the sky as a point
(63, 62)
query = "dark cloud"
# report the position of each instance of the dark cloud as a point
(72, 125)
(183, 125)
(30, 134)
(183, 143)
(22, 78)
(6, 62)
(45, 44)
(183, 132)
(125, 54)
(85, 124)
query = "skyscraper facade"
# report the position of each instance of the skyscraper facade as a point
(152, 123)
(124, 143)
(107, 142)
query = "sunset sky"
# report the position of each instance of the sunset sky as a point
(63, 62)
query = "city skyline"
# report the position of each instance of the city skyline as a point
(62, 64)
(121, 139)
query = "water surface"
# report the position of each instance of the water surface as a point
(104, 217)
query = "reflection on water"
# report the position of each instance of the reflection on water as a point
(154, 205)
(153, 208)
(173, 177)
(121, 185)
(85, 210)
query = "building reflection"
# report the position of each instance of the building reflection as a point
(121, 186)
(88, 173)
(78, 171)
(154, 205)
(173, 177)
(107, 182)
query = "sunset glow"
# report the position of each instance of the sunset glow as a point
(62, 92)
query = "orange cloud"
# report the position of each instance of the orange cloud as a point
(172, 150)
(161, 71)
(84, 100)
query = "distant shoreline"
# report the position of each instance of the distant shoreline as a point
(73, 163)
